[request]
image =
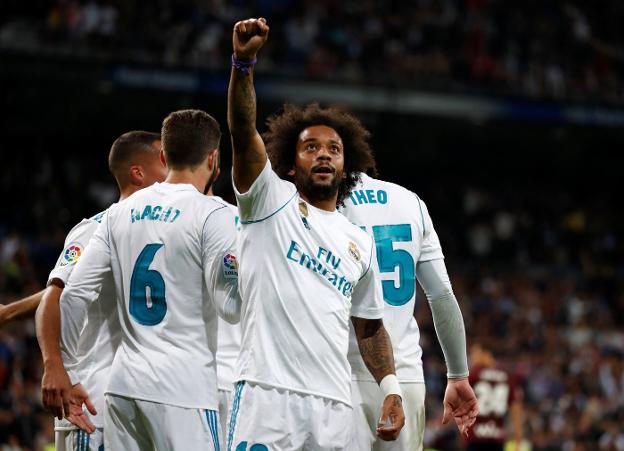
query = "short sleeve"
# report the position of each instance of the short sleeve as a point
(367, 299)
(220, 262)
(82, 289)
(431, 248)
(267, 195)
(74, 247)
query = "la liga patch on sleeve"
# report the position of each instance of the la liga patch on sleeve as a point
(71, 255)
(230, 266)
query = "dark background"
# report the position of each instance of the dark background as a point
(524, 195)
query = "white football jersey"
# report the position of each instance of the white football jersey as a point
(101, 334)
(171, 253)
(229, 336)
(400, 224)
(303, 273)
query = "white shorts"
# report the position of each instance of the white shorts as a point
(225, 401)
(367, 399)
(78, 440)
(136, 425)
(266, 418)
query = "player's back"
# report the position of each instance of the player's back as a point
(159, 243)
(401, 227)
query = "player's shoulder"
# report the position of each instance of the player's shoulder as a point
(353, 231)
(98, 217)
(88, 225)
(372, 191)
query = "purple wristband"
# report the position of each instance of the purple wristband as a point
(243, 66)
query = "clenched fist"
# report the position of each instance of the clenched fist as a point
(249, 35)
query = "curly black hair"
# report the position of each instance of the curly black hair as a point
(283, 132)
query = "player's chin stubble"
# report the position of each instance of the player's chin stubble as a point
(316, 191)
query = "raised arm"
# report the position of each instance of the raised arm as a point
(249, 153)
(24, 308)
(376, 349)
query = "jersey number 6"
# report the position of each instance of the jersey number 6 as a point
(151, 310)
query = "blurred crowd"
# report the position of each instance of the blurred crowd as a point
(554, 49)
(539, 277)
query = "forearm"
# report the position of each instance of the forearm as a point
(24, 308)
(516, 422)
(447, 317)
(48, 325)
(375, 347)
(241, 112)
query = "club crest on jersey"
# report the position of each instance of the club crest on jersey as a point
(354, 252)
(230, 266)
(303, 209)
(72, 254)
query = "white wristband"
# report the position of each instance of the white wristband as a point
(390, 386)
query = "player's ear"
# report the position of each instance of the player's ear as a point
(136, 175)
(161, 155)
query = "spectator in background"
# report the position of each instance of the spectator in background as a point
(498, 395)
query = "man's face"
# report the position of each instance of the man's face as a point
(319, 162)
(154, 169)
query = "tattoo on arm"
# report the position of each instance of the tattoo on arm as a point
(375, 346)
(241, 107)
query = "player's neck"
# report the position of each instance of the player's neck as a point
(322, 204)
(124, 194)
(197, 178)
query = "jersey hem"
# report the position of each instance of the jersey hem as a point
(296, 390)
(369, 314)
(157, 401)
(402, 381)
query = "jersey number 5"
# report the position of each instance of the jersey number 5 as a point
(389, 258)
(147, 310)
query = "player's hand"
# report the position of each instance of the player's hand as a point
(392, 418)
(55, 389)
(460, 403)
(77, 416)
(249, 35)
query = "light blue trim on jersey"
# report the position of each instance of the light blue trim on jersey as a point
(422, 216)
(234, 414)
(211, 417)
(98, 218)
(82, 441)
(272, 214)
(370, 258)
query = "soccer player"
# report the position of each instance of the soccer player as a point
(229, 338)
(229, 335)
(408, 246)
(135, 160)
(305, 270)
(143, 168)
(170, 250)
(498, 395)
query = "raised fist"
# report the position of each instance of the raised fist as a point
(249, 35)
